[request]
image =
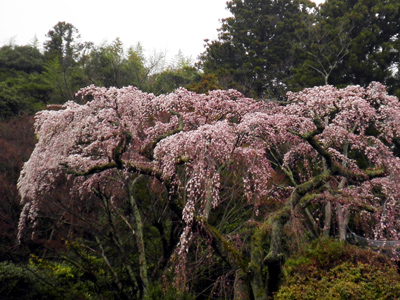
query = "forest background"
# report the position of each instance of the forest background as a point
(266, 49)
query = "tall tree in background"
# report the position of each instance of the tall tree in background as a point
(269, 47)
(321, 48)
(112, 65)
(62, 44)
(374, 51)
(254, 49)
(22, 88)
(62, 52)
(353, 42)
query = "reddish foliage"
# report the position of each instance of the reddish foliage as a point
(16, 145)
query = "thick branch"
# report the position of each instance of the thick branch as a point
(148, 150)
(256, 268)
(300, 197)
(223, 247)
(337, 169)
(92, 170)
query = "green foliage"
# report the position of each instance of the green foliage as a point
(110, 65)
(21, 58)
(350, 42)
(91, 269)
(269, 47)
(328, 269)
(171, 79)
(158, 292)
(22, 88)
(66, 279)
(62, 44)
(29, 79)
(373, 28)
(43, 280)
(208, 82)
(321, 47)
(254, 51)
(60, 81)
(21, 282)
(63, 57)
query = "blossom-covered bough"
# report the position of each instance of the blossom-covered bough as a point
(327, 158)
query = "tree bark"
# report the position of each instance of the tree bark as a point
(256, 266)
(241, 286)
(139, 239)
(328, 218)
(343, 220)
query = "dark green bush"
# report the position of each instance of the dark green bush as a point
(328, 269)
(157, 292)
(36, 281)
(23, 282)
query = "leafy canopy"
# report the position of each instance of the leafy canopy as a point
(269, 47)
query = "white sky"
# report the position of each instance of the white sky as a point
(162, 25)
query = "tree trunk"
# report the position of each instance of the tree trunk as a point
(343, 220)
(139, 240)
(256, 266)
(241, 286)
(328, 218)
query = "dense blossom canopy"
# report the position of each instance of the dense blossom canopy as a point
(343, 143)
(135, 132)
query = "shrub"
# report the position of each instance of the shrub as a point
(328, 269)
(22, 282)
(43, 281)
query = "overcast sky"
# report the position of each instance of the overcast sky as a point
(160, 25)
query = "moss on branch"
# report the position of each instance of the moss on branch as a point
(300, 196)
(227, 251)
(148, 150)
(92, 170)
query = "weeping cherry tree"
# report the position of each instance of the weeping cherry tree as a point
(246, 179)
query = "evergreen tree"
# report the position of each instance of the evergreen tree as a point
(63, 52)
(62, 44)
(269, 47)
(353, 42)
(254, 52)
(111, 65)
(22, 89)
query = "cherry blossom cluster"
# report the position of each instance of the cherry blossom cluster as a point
(359, 128)
(122, 128)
